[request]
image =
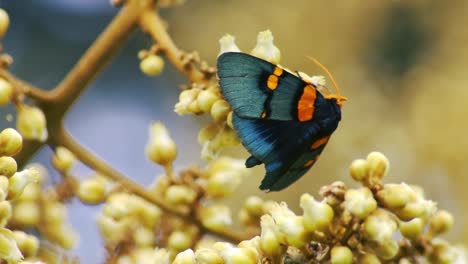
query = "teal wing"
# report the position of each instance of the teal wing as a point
(256, 88)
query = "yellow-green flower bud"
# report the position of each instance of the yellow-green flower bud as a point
(63, 235)
(420, 208)
(235, 255)
(220, 110)
(379, 226)
(4, 22)
(254, 205)
(272, 241)
(206, 99)
(31, 193)
(208, 132)
(223, 183)
(4, 182)
(152, 65)
(359, 170)
(216, 217)
(31, 123)
(395, 195)
(317, 215)
(63, 159)
(185, 257)
(180, 194)
(290, 225)
(5, 212)
(55, 213)
(10, 142)
(28, 245)
(229, 137)
(161, 148)
(360, 202)
(378, 165)
(227, 44)
(26, 214)
(443, 253)
(187, 98)
(6, 89)
(144, 237)
(265, 49)
(341, 255)
(8, 166)
(229, 120)
(92, 190)
(179, 240)
(9, 250)
(412, 229)
(112, 231)
(441, 222)
(208, 256)
(369, 258)
(387, 249)
(19, 180)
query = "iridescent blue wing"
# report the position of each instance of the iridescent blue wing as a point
(256, 88)
(281, 145)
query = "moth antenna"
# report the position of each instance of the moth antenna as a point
(326, 72)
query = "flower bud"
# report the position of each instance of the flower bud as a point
(216, 217)
(443, 253)
(208, 132)
(421, 208)
(9, 250)
(179, 240)
(206, 99)
(187, 98)
(379, 226)
(31, 123)
(290, 225)
(387, 249)
(412, 229)
(272, 241)
(360, 202)
(317, 215)
(185, 257)
(55, 213)
(92, 190)
(152, 65)
(441, 222)
(6, 89)
(395, 195)
(19, 180)
(4, 22)
(8, 166)
(180, 194)
(265, 49)
(223, 183)
(229, 137)
(28, 245)
(10, 142)
(4, 182)
(111, 230)
(378, 165)
(63, 235)
(254, 205)
(5, 213)
(369, 258)
(144, 237)
(359, 170)
(26, 214)
(227, 44)
(235, 255)
(63, 159)
(229, 120)
(220, 110)
(208, 256)
(160, 148)
(341, 255)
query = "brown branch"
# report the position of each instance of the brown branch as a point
(64, 139)
(152, 23)
(22, 87)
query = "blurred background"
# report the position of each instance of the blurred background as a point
(402, 64)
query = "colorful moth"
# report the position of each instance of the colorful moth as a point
(283, 120)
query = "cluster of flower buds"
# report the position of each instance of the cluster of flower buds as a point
(347, 226)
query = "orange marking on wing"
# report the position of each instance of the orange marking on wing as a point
(263, 114)
(319, 142)
(309, 163)
(272, 82)
(278, 71)
(305, 105)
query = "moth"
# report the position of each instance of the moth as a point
(282, 119)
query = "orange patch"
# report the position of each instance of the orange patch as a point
(319, 142)
(309, 163)
(272, 82)
(278, 71)
(305, 105)
(263, 114)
